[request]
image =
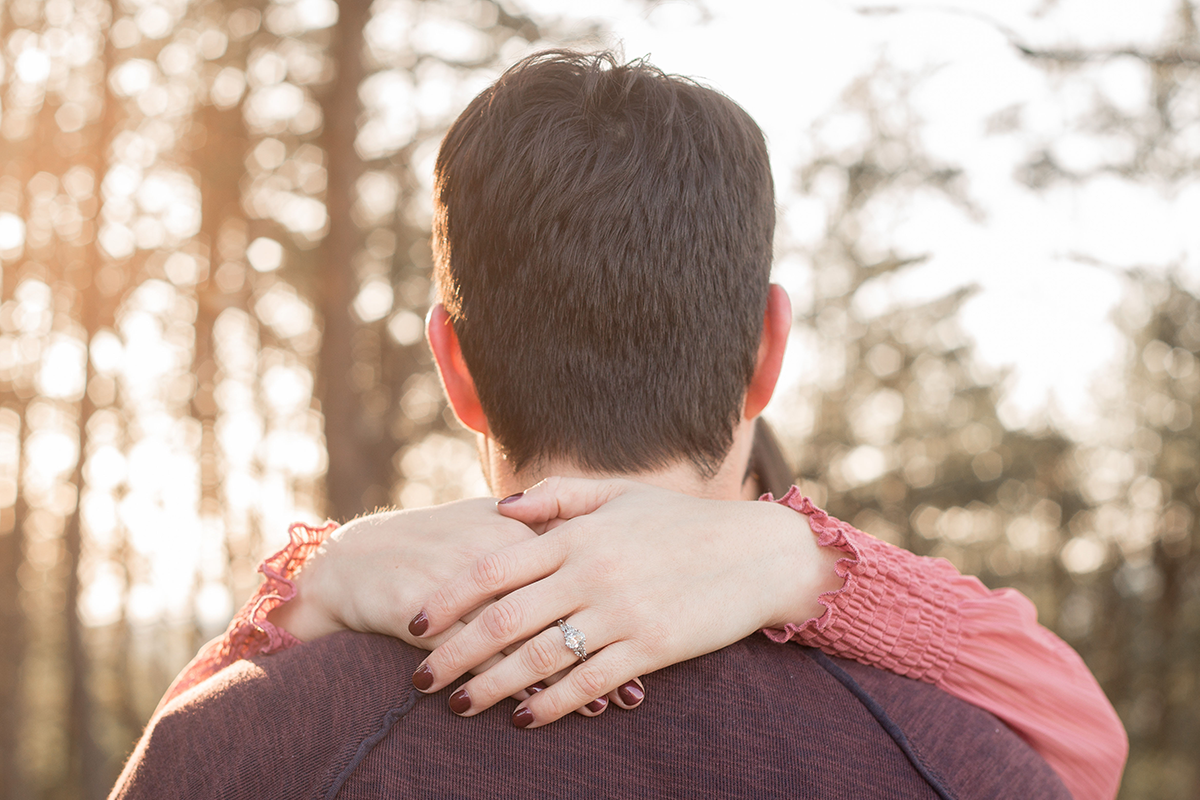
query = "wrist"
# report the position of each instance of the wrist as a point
(804, 569)
(303, 616)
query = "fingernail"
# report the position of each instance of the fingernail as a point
(423, 677)
(537, 687)
(511, 498)
(460, 702)
(631, 694)
(597, 705)
(419, 624)
(522, 718)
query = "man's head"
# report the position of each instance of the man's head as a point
(602, 241)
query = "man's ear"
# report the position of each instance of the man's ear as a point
(777, 324)
(456, 379)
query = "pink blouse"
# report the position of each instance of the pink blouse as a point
(913, 616)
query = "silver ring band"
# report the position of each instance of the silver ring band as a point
(574, 639)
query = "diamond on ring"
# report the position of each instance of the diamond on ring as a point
(574, 639)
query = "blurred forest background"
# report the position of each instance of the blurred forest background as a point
(215, 263)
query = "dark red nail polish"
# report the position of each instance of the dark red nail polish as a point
(631, 694)
(460, 702)
(419, 624)
(423, 677)
(597, 705)
(511, 498)
(537, 687)
(522, 718)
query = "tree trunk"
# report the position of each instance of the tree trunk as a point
(12, 626)
(353, 451)
(93, 312)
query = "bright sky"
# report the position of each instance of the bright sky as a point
(1041, 311)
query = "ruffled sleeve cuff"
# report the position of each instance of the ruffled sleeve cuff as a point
(896, 610)
(250, 633)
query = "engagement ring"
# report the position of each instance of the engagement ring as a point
(574, 639)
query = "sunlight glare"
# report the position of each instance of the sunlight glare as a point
(282, 308)
(33, 66)
(862, 465)
(239, 433)
(406, 328)
(374, 300)
(377, 194)
(100, 604)
(150, 465)
(287, 389)
(227, 87)
(12, 231)
(155, 193)
(107, 352)
(213, 607)
(143, 605)
(293, 453)
(270, 105)
(265, 255)
(450, 40)
(154, 21)
(387, 96)
(133, 77)
(100, 516)
(105, 469)
(63, 370)
(51, 453)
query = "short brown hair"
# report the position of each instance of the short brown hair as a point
(602, 240)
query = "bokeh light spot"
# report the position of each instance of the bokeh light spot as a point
(12, 231)
(374, 300)
(33, 66)
(265, 255)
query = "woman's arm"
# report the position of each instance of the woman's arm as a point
(684, 591)
(921, 618)
(709, 568)
(368, 575)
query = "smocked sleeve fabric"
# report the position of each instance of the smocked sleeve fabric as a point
(921, 618)
(250, 633)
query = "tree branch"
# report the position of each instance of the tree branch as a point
(1063, 55)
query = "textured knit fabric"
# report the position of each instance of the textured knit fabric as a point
(917, 617)
(338, 718)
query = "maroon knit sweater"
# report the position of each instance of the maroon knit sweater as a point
(338, 717)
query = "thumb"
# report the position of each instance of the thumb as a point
(562, 499)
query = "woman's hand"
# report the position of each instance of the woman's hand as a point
(651, 577)
(373, 572)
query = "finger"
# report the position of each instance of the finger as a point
(561, 498)
(593, 708)
(629, 694)
(433, 641)
(593, 678)
(515, 617)
(529, 691)
(542, 656)
(496, 573)
(486, 665)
